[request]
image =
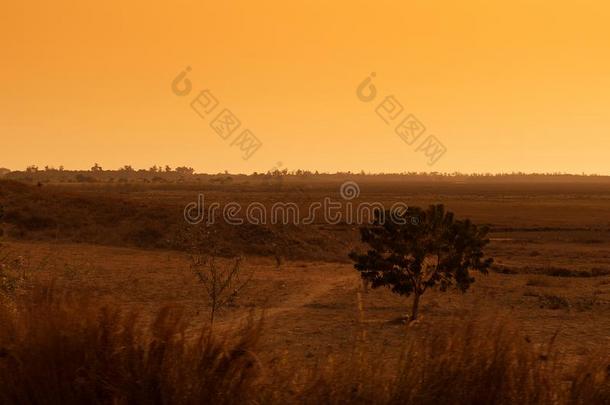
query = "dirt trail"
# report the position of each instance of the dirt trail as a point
(310, 293)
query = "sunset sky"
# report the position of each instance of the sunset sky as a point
(504, 85)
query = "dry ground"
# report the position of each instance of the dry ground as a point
(550, 242)
(311, 309)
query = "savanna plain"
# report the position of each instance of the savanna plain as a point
(105, 297)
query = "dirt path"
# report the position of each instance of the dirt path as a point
(311, 292)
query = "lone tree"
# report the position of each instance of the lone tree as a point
(412, 251)
(222, 283)
(222, 280)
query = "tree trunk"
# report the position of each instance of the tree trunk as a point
(415, 306)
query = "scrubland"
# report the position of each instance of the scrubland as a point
(99, 304)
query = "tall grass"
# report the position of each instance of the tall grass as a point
(474, 362)
(57, 348)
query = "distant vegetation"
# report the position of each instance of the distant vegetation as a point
(167, 174)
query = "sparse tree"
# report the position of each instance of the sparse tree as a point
(417, 249)
(222, 283)
(221, 280)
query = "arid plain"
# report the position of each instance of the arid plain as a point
(550, 241)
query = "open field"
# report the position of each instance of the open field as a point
(550, 243)
(312, 307)
(125, 245)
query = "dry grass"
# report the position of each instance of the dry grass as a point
(538, 282)
(61, 348)
(483, 362)
(591, 383)
(58, 348)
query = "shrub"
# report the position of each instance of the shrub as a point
(221, 283)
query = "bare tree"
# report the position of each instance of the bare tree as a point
(222, 283)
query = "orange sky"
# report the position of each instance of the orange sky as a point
(505, 86)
